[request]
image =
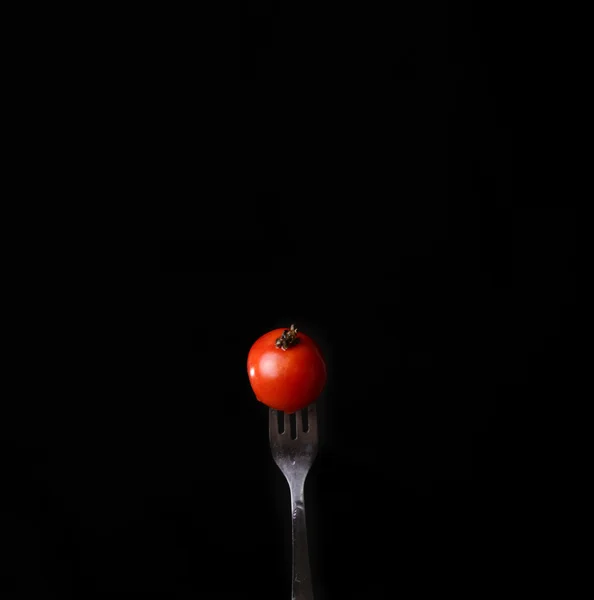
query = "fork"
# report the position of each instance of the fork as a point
(294, 458)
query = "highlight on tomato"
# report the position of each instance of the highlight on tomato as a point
(286, 369)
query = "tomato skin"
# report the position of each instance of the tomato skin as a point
(286, 380)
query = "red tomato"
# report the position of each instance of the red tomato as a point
(286, 369)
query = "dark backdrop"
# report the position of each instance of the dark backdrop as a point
(351, 172)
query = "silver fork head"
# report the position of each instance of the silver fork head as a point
(294, 439)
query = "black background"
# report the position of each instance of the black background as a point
(356, 177)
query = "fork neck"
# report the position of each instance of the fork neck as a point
(297, 488)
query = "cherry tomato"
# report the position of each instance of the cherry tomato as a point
(286, 369)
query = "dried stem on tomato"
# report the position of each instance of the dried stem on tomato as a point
(287, 339)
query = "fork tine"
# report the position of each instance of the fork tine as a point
(312, 419)
(298, 424)
(287, 424)
(272, 422)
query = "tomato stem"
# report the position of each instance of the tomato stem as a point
(287, 339)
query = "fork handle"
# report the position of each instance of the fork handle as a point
(302, 588)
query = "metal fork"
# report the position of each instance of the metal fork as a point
(294, 458)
